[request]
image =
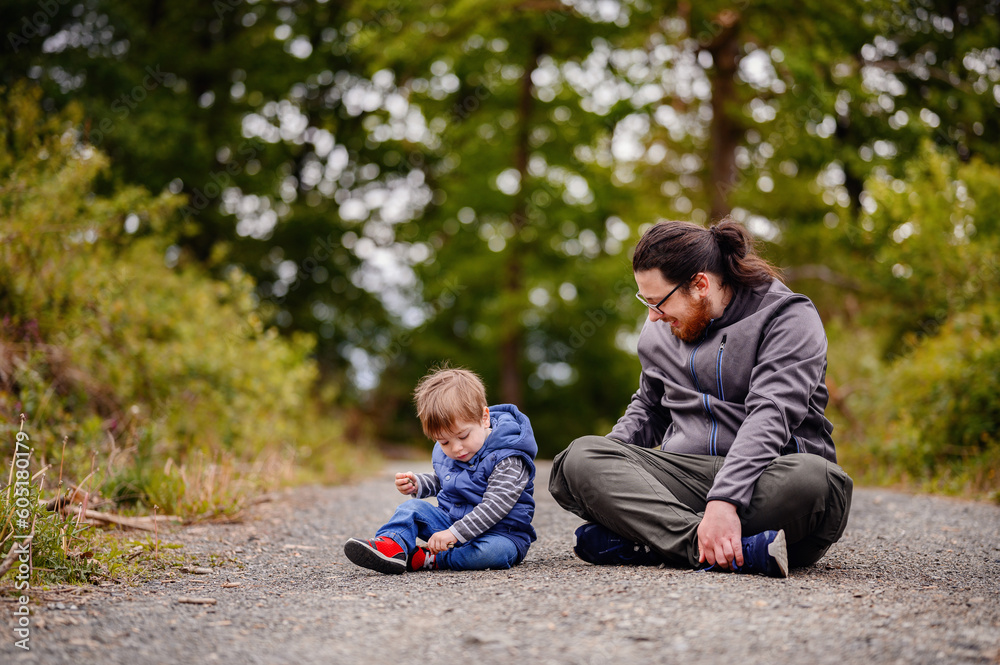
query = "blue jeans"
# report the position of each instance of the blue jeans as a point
(419, 519)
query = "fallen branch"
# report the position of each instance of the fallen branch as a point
(15, 551)
(141, 523)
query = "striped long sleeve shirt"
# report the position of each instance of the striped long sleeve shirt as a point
(503, 489)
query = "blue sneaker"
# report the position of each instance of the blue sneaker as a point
(765, 554)
(602, 546)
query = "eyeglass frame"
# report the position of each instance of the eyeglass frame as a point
(656, 307)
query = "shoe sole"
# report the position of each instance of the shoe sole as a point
(778, 550)
(364, 555)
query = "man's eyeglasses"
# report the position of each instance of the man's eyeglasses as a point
(656, 307)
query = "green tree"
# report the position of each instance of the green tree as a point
(526, 278)
(244, 108)
(104, 341)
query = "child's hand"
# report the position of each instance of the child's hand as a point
(441, 541)
(406, 483)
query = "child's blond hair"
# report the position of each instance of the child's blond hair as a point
(448, 396)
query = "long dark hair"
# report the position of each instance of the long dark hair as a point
(680, 250)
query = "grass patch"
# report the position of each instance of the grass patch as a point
(67, 550)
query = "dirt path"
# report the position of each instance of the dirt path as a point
(915, 580)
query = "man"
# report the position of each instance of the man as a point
(726, 436)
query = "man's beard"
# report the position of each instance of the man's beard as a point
(693, 326)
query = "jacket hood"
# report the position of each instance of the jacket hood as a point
(510, 430)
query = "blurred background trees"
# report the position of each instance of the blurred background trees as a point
(406, 183)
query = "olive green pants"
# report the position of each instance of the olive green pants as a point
(658, 498)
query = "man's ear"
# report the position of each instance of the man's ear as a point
(702, 284)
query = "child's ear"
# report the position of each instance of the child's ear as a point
(486, 416)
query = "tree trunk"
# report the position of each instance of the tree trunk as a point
(724, 131)
(512, 341)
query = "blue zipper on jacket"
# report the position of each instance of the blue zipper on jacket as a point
(718, 368)
(713, 437)
(722, 397)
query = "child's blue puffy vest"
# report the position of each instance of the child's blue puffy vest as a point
(464, 483)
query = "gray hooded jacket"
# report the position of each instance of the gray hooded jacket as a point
(752, 389)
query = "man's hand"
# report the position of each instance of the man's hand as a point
(441, 541)
(406, 483)
(719, 535)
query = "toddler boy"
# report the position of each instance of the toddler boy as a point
(483, 478)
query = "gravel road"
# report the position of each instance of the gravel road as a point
(916, 579)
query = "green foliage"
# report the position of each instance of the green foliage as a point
(928, 401)
(198, 97)
(932, 240)
(935, 417)
(116, 342)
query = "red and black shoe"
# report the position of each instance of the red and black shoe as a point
(423, 559)
(382, 554)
